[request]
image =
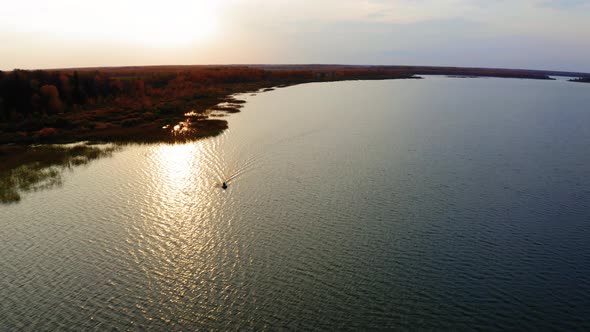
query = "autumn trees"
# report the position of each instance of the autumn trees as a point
(25, 94)
(33, 94)
(36, 93)
(50, 99)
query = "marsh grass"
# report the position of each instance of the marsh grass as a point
(28, 169)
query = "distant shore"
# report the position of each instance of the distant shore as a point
(165, 103)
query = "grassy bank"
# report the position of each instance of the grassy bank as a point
(25, 169)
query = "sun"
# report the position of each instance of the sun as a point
(172, 23)
(154, 23)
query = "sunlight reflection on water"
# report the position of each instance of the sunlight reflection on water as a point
(422, 215)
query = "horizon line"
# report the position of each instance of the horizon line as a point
(295, 65)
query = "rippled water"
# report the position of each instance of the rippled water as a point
(419, 204)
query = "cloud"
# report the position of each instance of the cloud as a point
(449, 32)
(563, 4)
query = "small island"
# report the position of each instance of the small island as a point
(581, 80)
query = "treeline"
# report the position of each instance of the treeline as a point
(25, 94)
(365, 74)
(480, 72)
(429, 70)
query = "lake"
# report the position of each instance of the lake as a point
(441, 204)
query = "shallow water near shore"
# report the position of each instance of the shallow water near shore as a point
(441, 203)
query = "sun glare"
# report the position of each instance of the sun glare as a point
(150, 23)
(177, 164)
(171, 24)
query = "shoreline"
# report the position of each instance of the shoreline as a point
(25, 167)
(171, 116)
(187, 119)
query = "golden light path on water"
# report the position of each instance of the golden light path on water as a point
(333, 219)
(185, 240)
(177, 165)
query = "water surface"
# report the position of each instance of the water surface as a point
(418, 204)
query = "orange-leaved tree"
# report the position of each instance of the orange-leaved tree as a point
(51, 98)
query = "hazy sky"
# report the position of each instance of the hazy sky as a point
(541, 34)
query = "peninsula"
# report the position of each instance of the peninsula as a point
(166, 103)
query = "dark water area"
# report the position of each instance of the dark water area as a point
(435, 204)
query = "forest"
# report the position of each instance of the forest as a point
(137, 103)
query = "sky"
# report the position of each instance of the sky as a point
(533, 34)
